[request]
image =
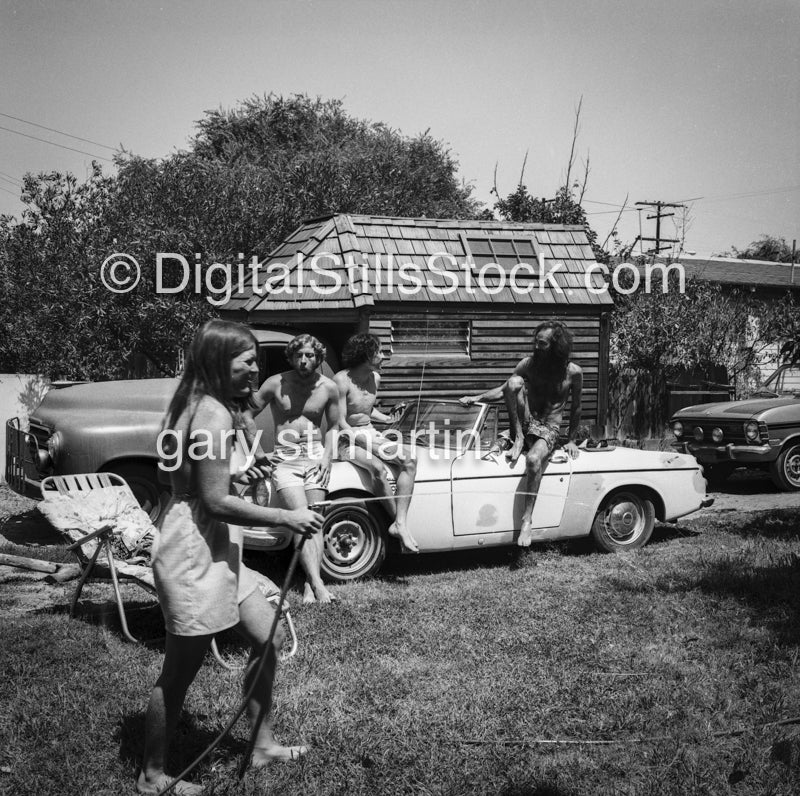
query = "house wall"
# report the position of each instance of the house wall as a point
(20, 394)
(499, 339)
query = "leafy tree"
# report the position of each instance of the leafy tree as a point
(250, 176)
(657, 336)
(563, 208)
(56, 315)
(767, 247)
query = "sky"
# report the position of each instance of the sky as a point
(682, 100)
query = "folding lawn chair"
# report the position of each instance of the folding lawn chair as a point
(97, 513)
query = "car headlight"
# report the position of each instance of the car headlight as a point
(260, 492)
(677, 428)
(752, 431)
(716, 434)
(55, 443)
(698, 433)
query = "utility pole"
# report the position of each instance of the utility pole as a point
(658, 240)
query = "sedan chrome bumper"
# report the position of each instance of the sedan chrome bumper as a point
(22, 452)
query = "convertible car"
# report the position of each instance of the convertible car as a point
(467, 496)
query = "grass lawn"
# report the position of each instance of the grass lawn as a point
(663, 671)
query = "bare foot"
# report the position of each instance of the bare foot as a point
(155, 786)
(276, 754)
(514, 453)
(402, 533)
(525, 533)
(323, 595)
(308, 594)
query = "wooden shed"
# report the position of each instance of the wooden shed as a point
(455, 301)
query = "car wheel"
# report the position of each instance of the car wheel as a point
(785, 470)
(143, 481)
(624, 521)
(354, 542)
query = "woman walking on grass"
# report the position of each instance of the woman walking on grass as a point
(203, 587)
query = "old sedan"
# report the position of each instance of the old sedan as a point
(761, 432)
(467, 496)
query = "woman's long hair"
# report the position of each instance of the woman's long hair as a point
(208, 369)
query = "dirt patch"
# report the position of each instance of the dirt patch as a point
(24, 531)
(22, 591)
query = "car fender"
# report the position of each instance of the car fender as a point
(346, 477)
(86, 446)
(792, 439)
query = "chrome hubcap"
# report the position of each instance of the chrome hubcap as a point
(792, 466)
(344, 541)
(625, 521)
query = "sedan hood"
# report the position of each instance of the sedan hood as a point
(134, 396)
(735, 409)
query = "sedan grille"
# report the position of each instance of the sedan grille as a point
(732, 430)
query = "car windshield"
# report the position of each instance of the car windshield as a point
(442, 424)
(785, 382)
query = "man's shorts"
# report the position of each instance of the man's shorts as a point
(368, 438)
(538, 430)
(297, 465)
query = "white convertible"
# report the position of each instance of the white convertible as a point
(467, 496)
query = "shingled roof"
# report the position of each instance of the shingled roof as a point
(374, 246)
(746, 273)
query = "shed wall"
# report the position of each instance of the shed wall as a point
(498, 340)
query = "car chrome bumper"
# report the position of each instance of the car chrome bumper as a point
(21, 473)
(718, 454)
(263, 539)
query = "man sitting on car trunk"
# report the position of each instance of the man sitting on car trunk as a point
(361, 443)
(549, 378)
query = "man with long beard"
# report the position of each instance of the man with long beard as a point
(549, 378)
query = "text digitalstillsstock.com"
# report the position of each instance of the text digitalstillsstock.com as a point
(326, 274)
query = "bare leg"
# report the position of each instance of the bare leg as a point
(255, 619)
(514, 394)
(396, 504)
(405, 488)
(374, 466)
(535, 462)
(182, 660)
(311, 555)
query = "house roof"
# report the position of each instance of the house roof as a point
(748, 273)
(359, 259)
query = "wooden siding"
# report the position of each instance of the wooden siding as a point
(498, 340)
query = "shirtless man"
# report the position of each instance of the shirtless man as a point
(299, 398)
(361, 443)
(550, 379)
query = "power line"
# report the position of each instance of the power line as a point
(53, 143)
(15, 183)
(720, 198)
(60, 132)
(13, 193)
(788, 189)
(10, 176)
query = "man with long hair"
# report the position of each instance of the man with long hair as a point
(361, 443)
(299, 399)
(549, 378)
